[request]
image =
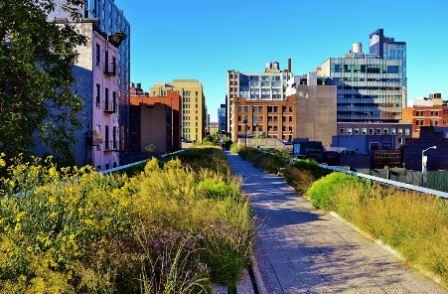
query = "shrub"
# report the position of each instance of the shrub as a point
(324, 192)
(171, 228)
(269, 161)
(309, 165)
(300, 179)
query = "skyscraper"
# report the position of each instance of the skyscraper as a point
(388, 48)
(371, 87)
(222, 118)
(109, 20)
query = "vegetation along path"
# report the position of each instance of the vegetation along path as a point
(302, 250)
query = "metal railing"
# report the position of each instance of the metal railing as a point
(388, 182)
(124, 167)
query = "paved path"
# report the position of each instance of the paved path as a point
(302, 250)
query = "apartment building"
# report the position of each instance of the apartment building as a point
(155, 122)
(97, 82)
(193, 111)
(269, 85)
(110, 20)
(371, 87)
(428, 111)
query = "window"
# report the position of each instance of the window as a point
(364, 131)
(240, 109)
(393, 131)
(246, 109)
(400, 131)
(407, 132)
(106, 98)
(378, 131)
(370, 131)
(385, 131)
(400, 141)
(356, 131)
(98, 54)
(106, 137)
(341, 131)
(106, 61)
(98, 95)
(114, 101)
(349, 131)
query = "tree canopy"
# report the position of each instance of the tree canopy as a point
(36, 60)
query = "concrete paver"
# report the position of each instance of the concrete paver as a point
(302, 250)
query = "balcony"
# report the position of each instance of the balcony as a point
(110, 108)
(111, 146)
(110, 69)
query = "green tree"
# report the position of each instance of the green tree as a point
(36, 60)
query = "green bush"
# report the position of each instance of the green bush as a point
(270, 161)
(325, 191)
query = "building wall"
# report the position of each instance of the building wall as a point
(105, 119)
(369, 88)
(437, 159)
(110, 19)
(365, 144)
(316, 113)
(401, 131)
(420, 116)
(143, 129)
(271, 119)
(193, 113)
(268, 85)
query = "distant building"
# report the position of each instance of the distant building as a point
(213, 128)
(155, 122)
(430, 111)
(222, 118)
(371, 87)
(365, 144)
(267, 85)
(401, 131)
(193, 109)
(429, 136)
(107, 18)
(310, 113)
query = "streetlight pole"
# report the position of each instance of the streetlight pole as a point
(424, 162)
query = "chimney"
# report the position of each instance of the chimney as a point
(289, 65)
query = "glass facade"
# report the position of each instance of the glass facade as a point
(369, 88)
(387, 48)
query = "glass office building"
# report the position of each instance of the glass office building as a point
(370, 89)
(111, 20)
(388, 48)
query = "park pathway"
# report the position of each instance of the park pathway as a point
(302, 250)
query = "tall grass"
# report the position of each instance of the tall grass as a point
(415, 224)
(174, 227)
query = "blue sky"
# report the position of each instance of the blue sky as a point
(202, 39)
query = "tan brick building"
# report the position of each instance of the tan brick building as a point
(270, 119)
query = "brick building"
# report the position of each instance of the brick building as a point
(155, 122)
(267, 118)
(431, 111)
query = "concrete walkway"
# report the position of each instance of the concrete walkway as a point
(302, 250)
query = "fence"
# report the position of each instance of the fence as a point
(437, 180)
(388, 182)
(124, 167)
